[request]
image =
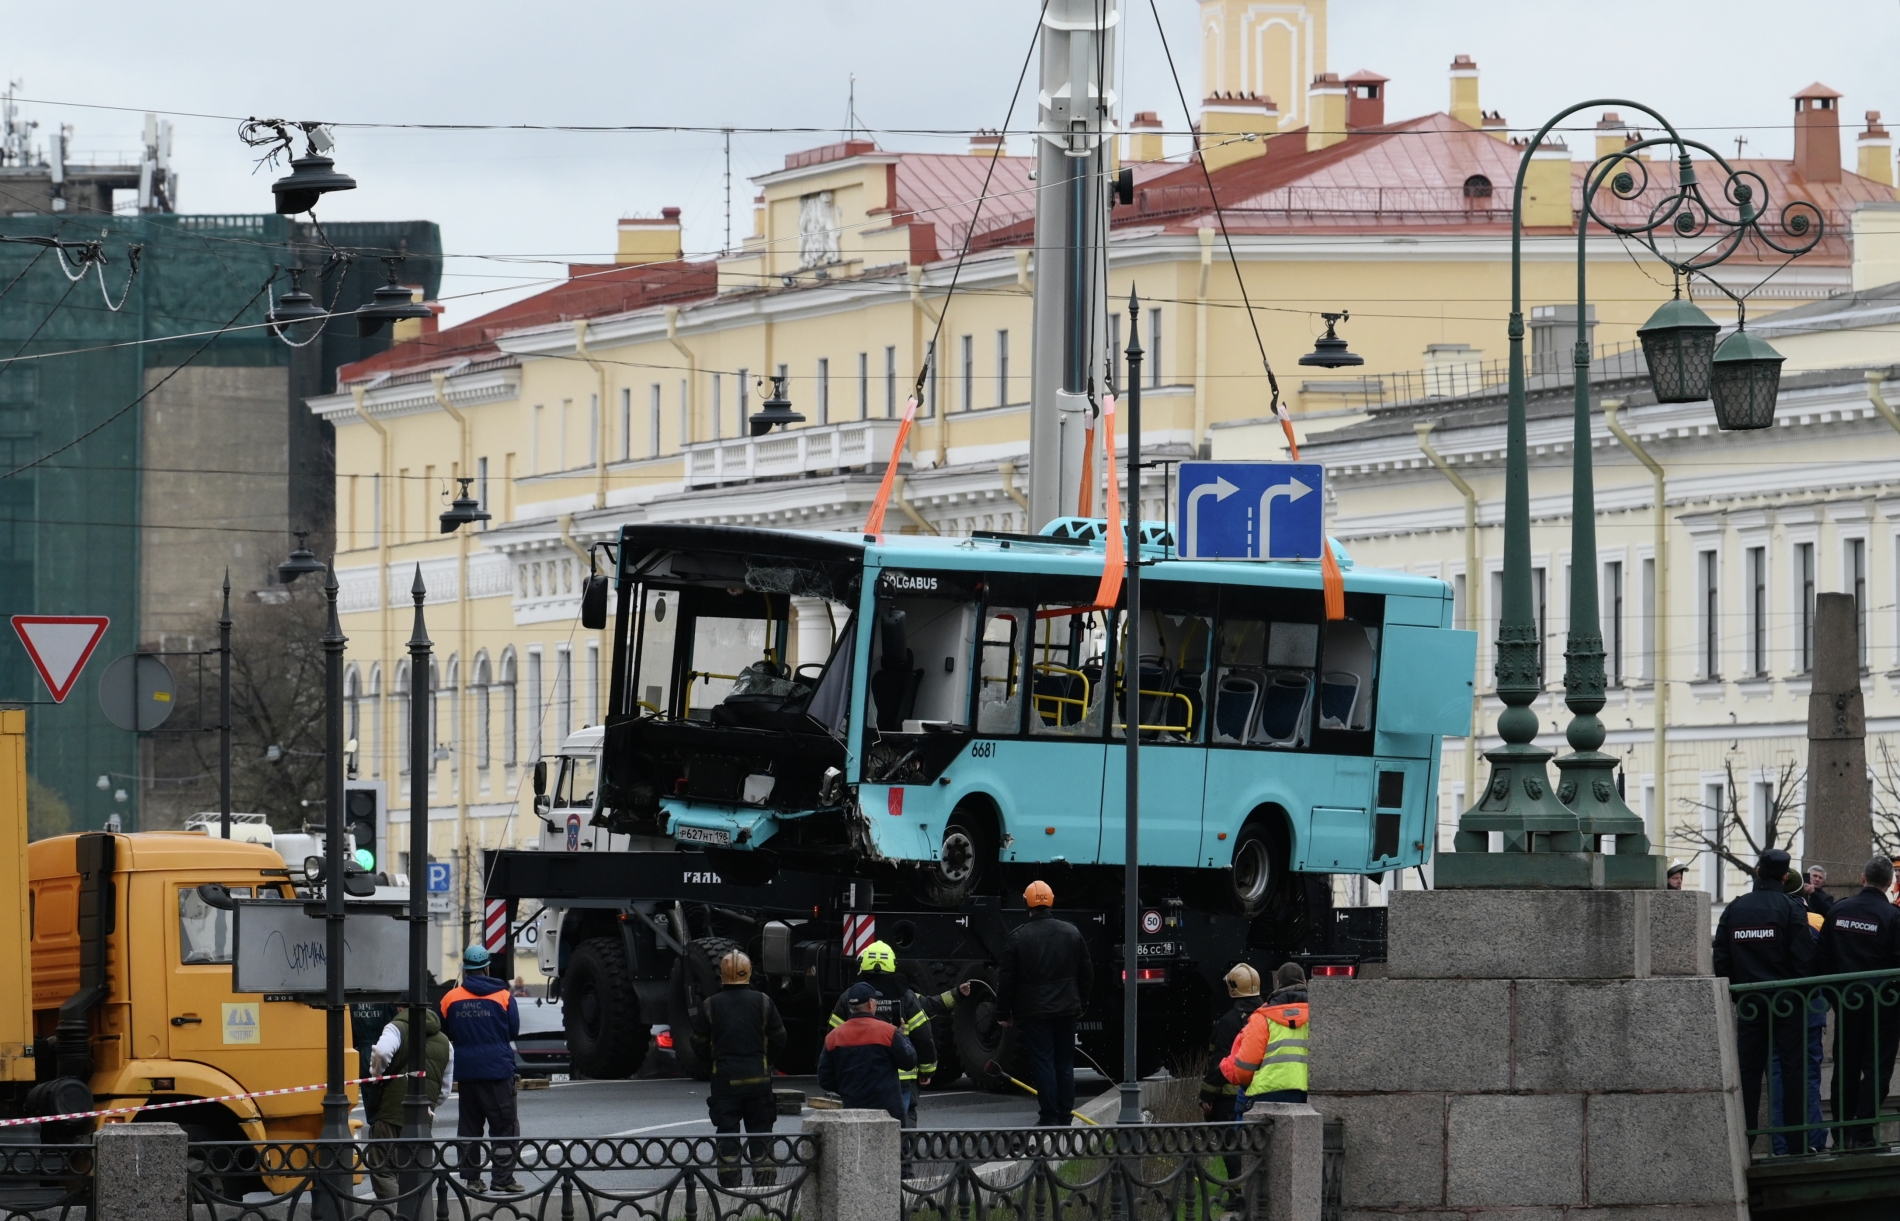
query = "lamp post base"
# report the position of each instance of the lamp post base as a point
(1589, 788)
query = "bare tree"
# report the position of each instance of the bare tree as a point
(1719, 836)
(277, 711)
(1885, 794)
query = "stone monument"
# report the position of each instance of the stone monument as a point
(1838, 830)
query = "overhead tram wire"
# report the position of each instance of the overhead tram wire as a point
(1220, 217)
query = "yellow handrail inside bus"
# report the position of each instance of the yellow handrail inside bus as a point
(1050, 667)
(1187, 728)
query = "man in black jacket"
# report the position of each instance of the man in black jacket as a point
(899, 1005)
(1763, 936)
(1862, 933)
(1042, 987)
(1814, 893)
(739, 1031)
(1217, 1092)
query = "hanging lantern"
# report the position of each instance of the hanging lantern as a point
(775, 412)
(391, 302)
(1329, 350)
(1678, 342)
(301, 561)
(295, 308)
(1745, 381)
(311, 177)
(463, 510)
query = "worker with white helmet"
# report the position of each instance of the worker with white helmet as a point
(1217, 1092)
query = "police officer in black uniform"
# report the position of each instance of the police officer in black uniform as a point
(1862, 933)
(1764, 936)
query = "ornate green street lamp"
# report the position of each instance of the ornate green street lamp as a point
(1553, 840)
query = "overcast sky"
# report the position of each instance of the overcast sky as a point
(513, 205)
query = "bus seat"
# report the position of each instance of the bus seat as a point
(1059, 697)
(1234, 707)
(1338, 698)
(1283, 708)
(1157, 678)
(1189, 683)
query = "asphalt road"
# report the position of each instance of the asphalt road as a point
(667, 1106)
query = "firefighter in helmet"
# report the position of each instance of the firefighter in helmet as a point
(899, 1004)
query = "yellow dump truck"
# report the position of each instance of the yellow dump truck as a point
(115, 981)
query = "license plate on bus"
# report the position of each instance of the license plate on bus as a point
(1154, 949)
(704, 835)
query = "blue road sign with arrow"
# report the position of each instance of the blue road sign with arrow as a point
(1252, 510)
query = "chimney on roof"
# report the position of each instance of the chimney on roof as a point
(986, 143)
(1464, 92)
(1874, 237)
(1817, 134)
(1325, 112)
(1365, 100)
(1236, 127)
(758, 216)
(1495, 126)
(1547, 185)
(406, 330)
(1876, 152)
(1144, 137)
(1612, 134)
(645, 239)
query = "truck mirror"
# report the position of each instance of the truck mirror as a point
(216, 896)
(594, 601)
(540, 777)
(361, 885)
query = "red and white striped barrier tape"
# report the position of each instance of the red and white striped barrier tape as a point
(192, 1102)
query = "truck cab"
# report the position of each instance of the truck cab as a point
(567, 802)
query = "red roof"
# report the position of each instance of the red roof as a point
(592, 290)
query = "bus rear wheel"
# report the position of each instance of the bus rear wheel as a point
(965, 853)
(1258, 869)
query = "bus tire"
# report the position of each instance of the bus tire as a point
(600, 1012)
(695, 977)
(987, 1051)
(966, 854)
(228, 1172)
(1259, 867)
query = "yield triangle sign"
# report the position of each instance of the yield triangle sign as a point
(60, 646)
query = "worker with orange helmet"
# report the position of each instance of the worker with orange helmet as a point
(739, 1032)
(1217, 1092)
(1042, 988)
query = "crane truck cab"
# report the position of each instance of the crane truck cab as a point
(120, 982)
(567, 802)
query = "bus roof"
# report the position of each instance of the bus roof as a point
(1012, 552)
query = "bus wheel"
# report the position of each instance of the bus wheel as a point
(1256, 872)
(964, 855)
(606, 1038)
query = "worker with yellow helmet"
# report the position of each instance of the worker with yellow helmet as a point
(899, 1005)
(1217, 1092)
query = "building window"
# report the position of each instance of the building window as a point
(1649, 619)
(968, 353)
(1758, 611)
(482, 679)
(1539, 604)
(686, 413)
(481, 486)
(1115, 355)
(536, 709)
(1714, 820)
(1477, 187)
(563, 694)
(593, 682)
(653, 420)
(1460, 603)
(1613, 621)
(399, 710)
(890, 382)
(353, 714)
(1804, 606)
(930, 380)
(534, 442)
(1154, 346)
(593, 429)
(1002, 368)
(1854, 562)
(1708, 592)
(824, 390)
(745, 401)
(718, 410)
(626, 423)
(510, 710)
(864, 385)
(560, 454)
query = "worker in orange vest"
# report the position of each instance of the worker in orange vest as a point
(1268, 1060)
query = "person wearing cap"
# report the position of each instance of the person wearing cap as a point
(865, 1056)
(1678, 870)
(1762, 937)
(482, 1022)
(1862, 933)
(1268, 1060)
(739, 1032)
(1217, 1092)
(904, 1009)
(1042, 987)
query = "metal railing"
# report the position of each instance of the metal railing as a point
(1157, 1172)
(624, 1178)
(44, 1181)
(1456, 379)
(818, 449)
(1785, 1031)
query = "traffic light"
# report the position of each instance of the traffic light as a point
(367, 820)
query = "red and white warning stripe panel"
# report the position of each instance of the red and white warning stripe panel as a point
(495, 925)
(860, 930)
